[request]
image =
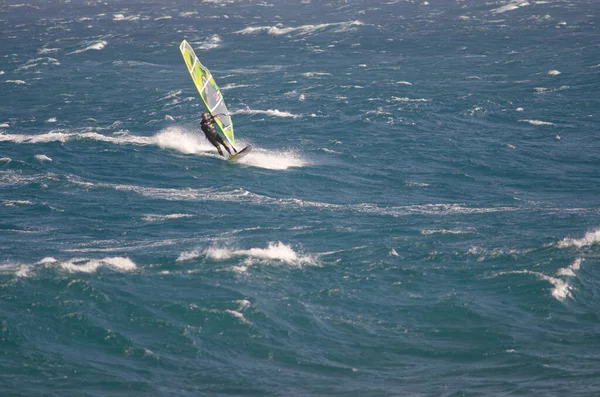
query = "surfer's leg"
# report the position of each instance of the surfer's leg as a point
(222, 142)
(215, 142)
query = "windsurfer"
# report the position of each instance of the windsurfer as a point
(207, 125)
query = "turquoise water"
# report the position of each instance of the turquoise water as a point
(419, 215)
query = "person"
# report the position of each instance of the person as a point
(207, 126)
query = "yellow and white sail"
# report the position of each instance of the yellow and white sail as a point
(209, 91)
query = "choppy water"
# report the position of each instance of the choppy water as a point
(419, 216)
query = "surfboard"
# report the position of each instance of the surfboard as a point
(240, 153)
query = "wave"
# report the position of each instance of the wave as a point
(177, 139)
(76, 265)
(120, 264)
(173, 138)
(280, 29)
(121, 17)
(396, 99)
(536, 122)
(543, 90)
(97, 46)
(590, 238)
(316, 74)
(42, 157)
(233, 86)
(160, 218)
(269, 112)
(244, 196)
(65, 136)
(562, 289)
(570, 270)
(445, 231)
(38, 61)
(16, 203)
(212, 42)
(512, 5)
(274, 253)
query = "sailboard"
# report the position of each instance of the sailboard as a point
(209, 91)
(240, 154)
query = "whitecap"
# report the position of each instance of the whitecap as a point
(316, 74)
(590, 238)
(159, 218)
(280, 29)
(415, 184)
(37, 61)
(269, 112)
(76, 265)
(512, 5)
(238, 315)
(16, 203)
(275, 252)
(562, 289)
(97, 46)
(121, 17)
(536, 122)
(544, 90)
(212, 42)
(553, 72)
(571, 269)
(189, 255)
(120, 264)
(405, 99)
(233, 86)
(42, 157)
(444, 231)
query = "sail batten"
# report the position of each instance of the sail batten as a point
(209, 91)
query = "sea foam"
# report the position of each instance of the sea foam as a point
(590, 238)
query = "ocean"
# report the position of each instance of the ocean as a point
(419, 215)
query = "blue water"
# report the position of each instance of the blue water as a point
(420, 215)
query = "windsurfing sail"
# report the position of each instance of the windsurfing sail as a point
(209, 91)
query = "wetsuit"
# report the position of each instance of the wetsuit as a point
(212, 135)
